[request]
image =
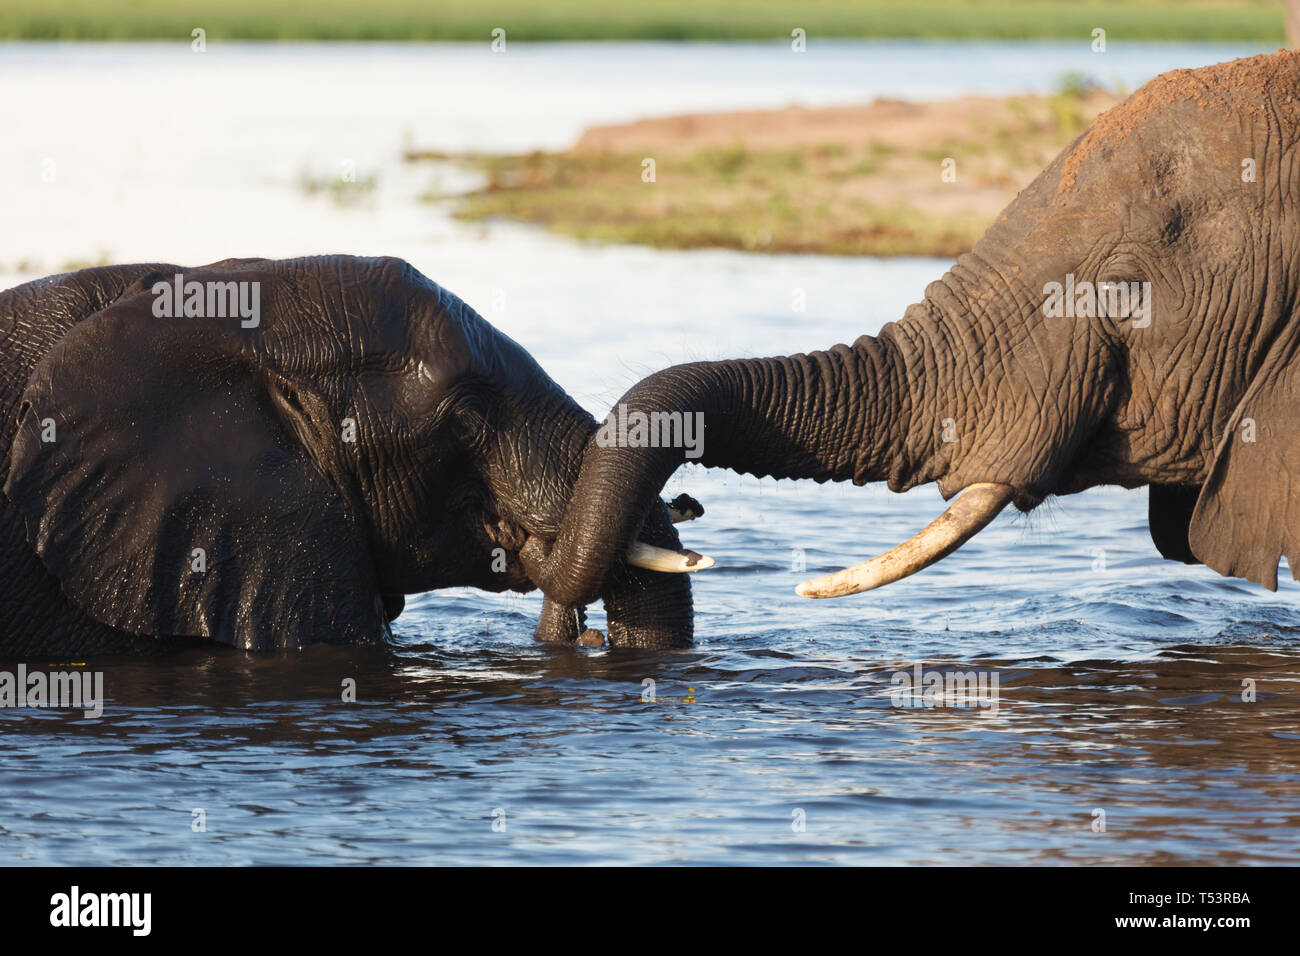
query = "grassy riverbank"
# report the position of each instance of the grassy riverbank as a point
(866, 180)
(1260, 20)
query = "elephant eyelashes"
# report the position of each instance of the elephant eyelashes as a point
(465, 413)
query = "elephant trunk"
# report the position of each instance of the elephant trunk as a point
(848, 413)
(643, 608)
(830, 416)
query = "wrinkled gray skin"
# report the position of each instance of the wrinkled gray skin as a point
(1153, 191)
(174, 434)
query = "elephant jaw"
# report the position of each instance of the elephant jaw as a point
(641, 554)
(974, 508)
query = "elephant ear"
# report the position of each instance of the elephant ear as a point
(1248, 513)
(162, 474)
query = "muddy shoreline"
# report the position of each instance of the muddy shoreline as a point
(888, 178)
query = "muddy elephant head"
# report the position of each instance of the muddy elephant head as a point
(1130, 319)
(273, 453)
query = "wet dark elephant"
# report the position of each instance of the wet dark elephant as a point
(1130, 319)
(277, 461)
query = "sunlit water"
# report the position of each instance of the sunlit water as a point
(774, 739)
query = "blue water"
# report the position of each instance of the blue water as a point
(775, 738)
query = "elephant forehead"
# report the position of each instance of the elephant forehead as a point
(1208, 103)
(448, 340)
(388, 315)
(394, 318)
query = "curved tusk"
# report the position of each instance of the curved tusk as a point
(642, 555)
(974, 508)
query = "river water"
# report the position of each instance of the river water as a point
(1120, 733)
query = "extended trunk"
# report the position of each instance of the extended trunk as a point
(973, 387)
(827, 415)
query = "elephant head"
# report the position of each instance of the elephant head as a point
(282, 475)
(1130, 319)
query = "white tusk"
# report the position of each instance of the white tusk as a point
(974, 508)
(642, 555)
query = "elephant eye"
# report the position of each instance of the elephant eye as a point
(465, 412)
(1174, 224)
(1121, 299)
(1113, 300)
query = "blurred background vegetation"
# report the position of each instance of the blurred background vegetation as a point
(549, 20)
(840, 180)
(858, 181)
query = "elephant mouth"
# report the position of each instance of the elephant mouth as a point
(503, 541)
(526, 547)
(969, 514)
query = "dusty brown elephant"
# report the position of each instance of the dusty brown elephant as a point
(1130, 319)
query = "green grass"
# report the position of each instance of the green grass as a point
(757, 200)
(548, 20)
(818, 197)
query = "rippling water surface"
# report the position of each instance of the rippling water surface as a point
(1120, 676)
